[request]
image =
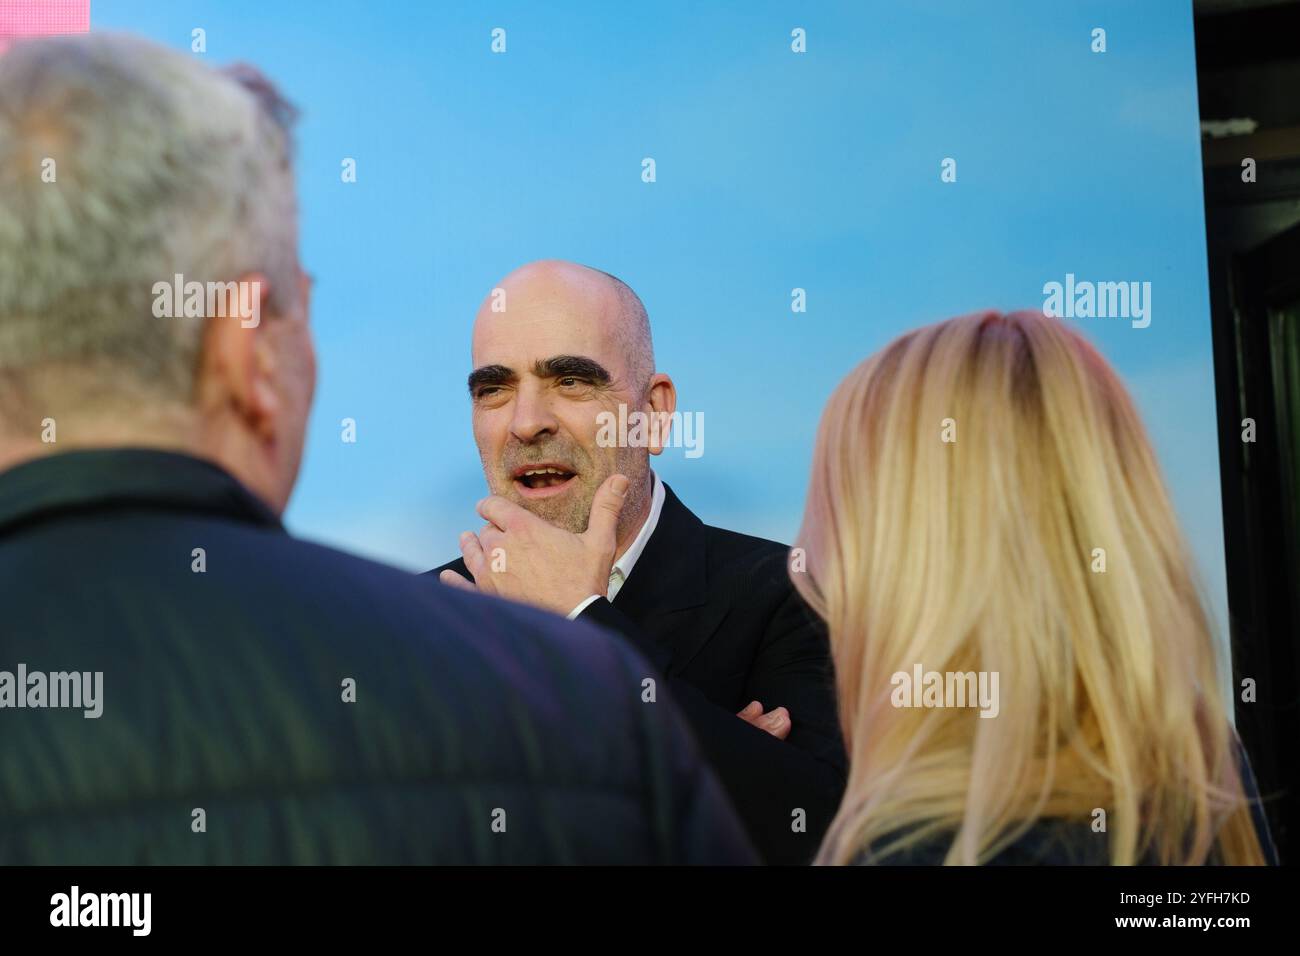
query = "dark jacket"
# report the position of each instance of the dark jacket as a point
(716, 612)
(223, 691)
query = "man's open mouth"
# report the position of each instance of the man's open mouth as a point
(541, 478)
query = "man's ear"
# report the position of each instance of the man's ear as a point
(238, 365)
(662, 402)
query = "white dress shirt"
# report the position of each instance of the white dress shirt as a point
(622, 568)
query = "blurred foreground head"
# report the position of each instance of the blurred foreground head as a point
(150, 292)
(984, 499)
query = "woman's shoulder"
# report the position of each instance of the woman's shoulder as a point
(1047, 842)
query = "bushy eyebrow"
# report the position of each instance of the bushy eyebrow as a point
(490, 375)
(557, 366)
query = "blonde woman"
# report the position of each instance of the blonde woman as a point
(1025, 669)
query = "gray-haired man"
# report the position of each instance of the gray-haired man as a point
(258, 699)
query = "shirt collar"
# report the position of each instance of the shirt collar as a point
(625, 564)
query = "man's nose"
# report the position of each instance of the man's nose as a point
(533, 417)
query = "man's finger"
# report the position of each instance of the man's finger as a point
(472, 550)
(490, 537)
(602, 526)
(506, 515)
(777, 722)
(452, 579)
(752, 709)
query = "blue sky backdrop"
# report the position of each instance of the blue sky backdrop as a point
(775, 170)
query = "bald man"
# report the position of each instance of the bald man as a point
(580, 525)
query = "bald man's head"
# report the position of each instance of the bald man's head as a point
(634, 329)
(558, 348)
(584, 289)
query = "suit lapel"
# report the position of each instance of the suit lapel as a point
(670, 574)
(671, 577)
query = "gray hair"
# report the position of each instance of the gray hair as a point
(160, 166)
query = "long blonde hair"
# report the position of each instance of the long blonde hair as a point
(984, 499)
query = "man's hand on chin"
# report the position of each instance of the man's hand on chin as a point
(539, 563)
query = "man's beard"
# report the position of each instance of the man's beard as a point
(572, 510)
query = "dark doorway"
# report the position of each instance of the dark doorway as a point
(1248, 66)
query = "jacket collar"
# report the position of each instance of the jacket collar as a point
(671, 573)
(103, 479)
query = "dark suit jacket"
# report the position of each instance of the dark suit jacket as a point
(222, 690)
(716, 612)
